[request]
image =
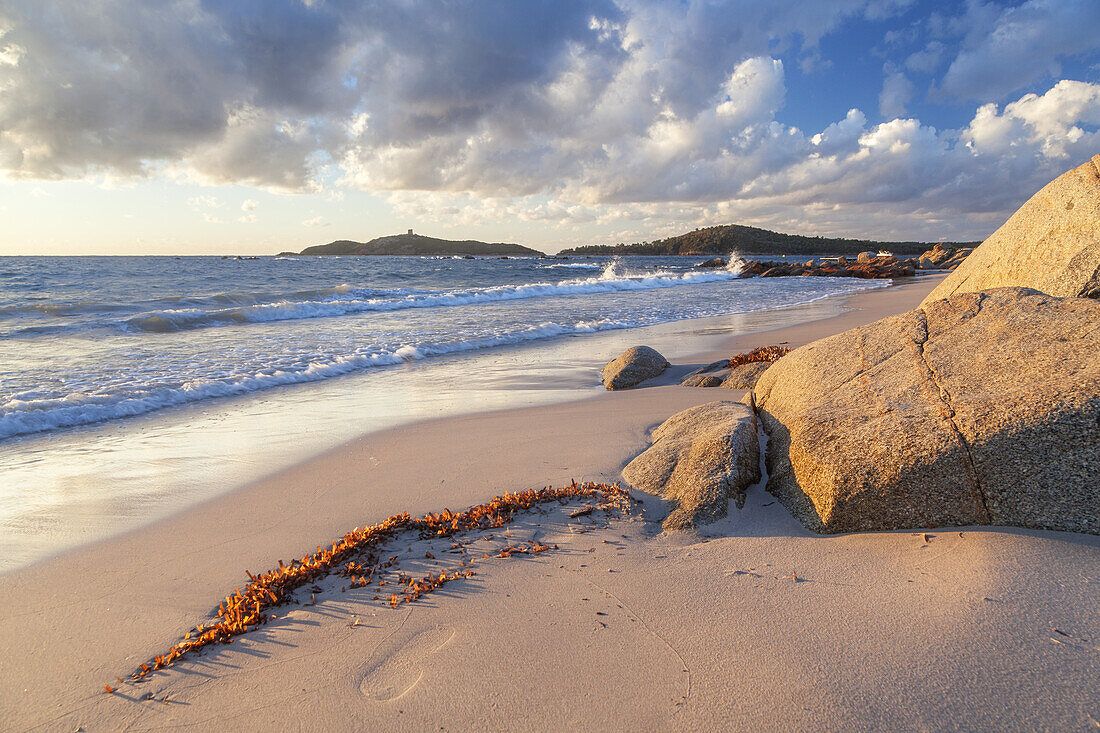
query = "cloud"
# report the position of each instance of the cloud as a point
(258, 93)
(258, 148)
(641, 115)
(204, 205)
(204, 202)
(896, 92)
(316, 221)
(897, 179)
(248, 206)
(405, 95)
(840, 137)
(1053, 125)
(11, 54)
(928, 59)
(1008, 49)
(93, 92)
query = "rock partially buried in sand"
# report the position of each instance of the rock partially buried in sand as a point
(738, 372)
(714, 366)
(980, 409)
(746, 375)
(701, 380)
(1052, 243)
(636, 364)
(700, 459)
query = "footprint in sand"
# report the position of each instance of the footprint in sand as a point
(399, 664)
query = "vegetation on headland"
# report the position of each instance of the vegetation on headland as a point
(744, 239)
(419, 245)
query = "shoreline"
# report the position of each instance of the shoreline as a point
(873, 627)
(164, 462)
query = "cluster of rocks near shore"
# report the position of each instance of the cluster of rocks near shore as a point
(866, 265)
(979, 407)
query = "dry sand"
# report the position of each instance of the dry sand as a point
(758, 625)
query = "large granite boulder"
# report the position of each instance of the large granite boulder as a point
(1052, 243)
(700, 459)
(636, 364)
(867, 257)
(983, 408)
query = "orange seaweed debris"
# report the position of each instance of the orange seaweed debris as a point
(427, 584)
(763, 353)
(242, 611)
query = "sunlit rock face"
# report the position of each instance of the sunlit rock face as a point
(1052, 243)
(700, 459)
(983, 408)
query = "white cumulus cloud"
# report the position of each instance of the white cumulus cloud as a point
(643, 113)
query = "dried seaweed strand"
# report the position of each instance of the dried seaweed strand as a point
(243, 610)
(763, 353)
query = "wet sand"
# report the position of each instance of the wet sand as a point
(755, 624)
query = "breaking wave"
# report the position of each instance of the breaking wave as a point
(38, 411)
(345, 300)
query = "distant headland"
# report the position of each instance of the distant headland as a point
(417, 244)
(717, 240)
(721, 240)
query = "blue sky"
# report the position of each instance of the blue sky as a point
(195, 126)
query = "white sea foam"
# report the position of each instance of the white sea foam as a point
(37, 411)
(93, 348)
(610, 280)
(178, 313)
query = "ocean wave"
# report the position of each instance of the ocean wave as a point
(215, 299)
(35, 411)
(175, 313)
(36, 406)
(611, 280)
(193, 311)
(62, 309)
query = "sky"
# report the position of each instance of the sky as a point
(256, 126)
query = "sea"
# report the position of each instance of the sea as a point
(133, 387)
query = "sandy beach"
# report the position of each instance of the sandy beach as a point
(755, 623)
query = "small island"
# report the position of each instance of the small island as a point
(419, 245)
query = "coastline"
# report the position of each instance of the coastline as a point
(761, 623)
(92, 482)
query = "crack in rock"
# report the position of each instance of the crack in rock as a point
(948, 412)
